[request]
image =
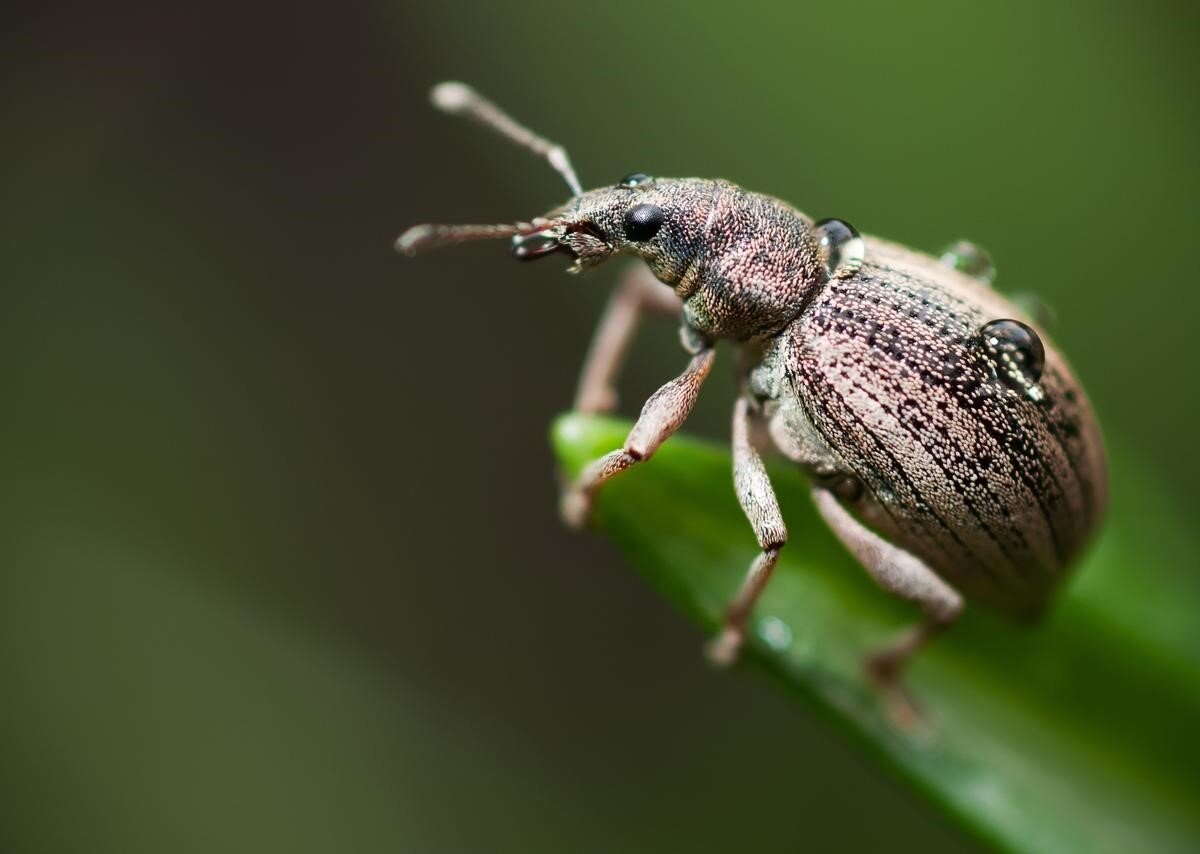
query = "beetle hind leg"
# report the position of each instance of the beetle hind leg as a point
(904, 575)
(885, 670)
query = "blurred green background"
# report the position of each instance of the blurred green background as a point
(283, 569)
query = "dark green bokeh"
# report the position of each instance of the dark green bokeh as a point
(283, 568)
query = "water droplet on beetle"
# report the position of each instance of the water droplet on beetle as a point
(842, 248)
(634, 179)
(1032, 304)
(775, 633)
(526, 247)
(1016, 353)
(968, 258)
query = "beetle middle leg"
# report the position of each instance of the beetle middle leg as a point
(662, 415)
(901, 573)
(639, 292)
(757, 497)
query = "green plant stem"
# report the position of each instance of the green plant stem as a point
(1074, 735)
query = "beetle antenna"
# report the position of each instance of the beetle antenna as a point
(422, 237)
(459, 99)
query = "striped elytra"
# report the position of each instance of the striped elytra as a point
(995, 483)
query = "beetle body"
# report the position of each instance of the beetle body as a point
(885, 374)
(950, 447)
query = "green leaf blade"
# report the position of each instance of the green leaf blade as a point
(1072, 735)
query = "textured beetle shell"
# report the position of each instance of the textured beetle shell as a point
(996, 491)
(756, 267)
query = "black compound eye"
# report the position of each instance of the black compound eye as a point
(643, 222)
(635, 179)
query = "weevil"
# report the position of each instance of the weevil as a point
(950, 447)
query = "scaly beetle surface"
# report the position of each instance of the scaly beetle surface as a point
(951, 449)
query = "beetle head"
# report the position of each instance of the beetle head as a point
(744, 263)
(662, 221)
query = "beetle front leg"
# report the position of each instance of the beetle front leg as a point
(757, 497)
(904, 575)
(662, 415)
(638, 293)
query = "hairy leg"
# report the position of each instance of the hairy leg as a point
(662, 415)
(904, 575)
(757, 497)
(638, 293)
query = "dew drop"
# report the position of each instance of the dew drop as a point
(1017, 354)
(842, 249)
(526, 247)
(848, 489)
(1032, 304)
(635, 179)
(968, 258)
(775, 633)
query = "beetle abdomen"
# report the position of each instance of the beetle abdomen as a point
(997, 484)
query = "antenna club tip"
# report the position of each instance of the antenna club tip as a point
(408, 242)
(452, 96)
